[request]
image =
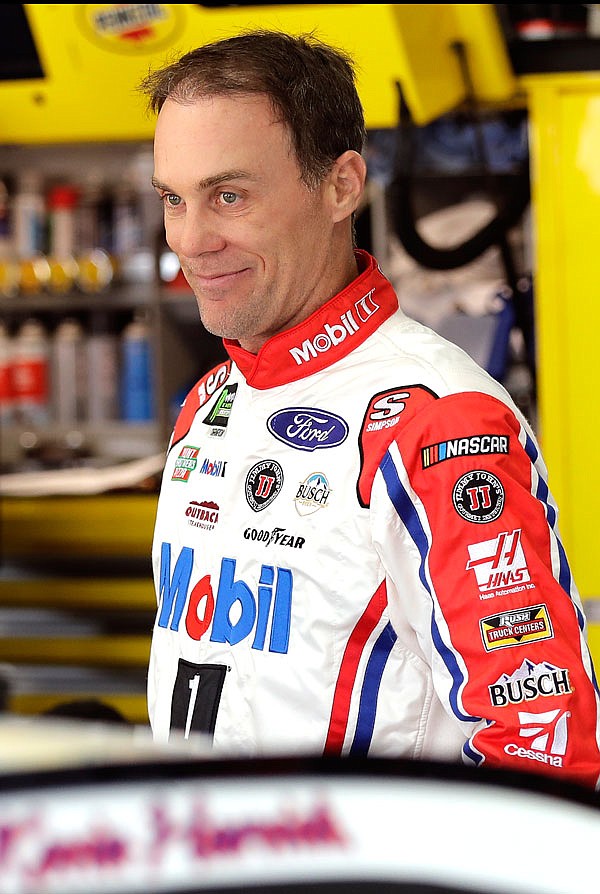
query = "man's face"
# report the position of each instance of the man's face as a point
(254, 243)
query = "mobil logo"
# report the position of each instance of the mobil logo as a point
(238, 610)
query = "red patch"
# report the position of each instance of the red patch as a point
(386, 411)
(202, 391)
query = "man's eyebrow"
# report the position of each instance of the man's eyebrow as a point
(209, 182)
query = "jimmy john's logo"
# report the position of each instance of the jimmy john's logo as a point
(516, 628)
(529, 682)
(478, 497)
(263, 482)
(476, 445)
(185, 463)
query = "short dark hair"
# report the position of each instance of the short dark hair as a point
(311, 85)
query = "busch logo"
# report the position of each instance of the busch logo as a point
(528, 682)
(236, 612)
(498, 563)
(332, 335)
(312, 494)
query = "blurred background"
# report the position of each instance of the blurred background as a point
(482, 206)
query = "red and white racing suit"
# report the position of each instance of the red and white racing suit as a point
(356, 553)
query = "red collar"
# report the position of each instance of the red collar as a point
(329, 334)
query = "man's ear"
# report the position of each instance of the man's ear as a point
(347, 179)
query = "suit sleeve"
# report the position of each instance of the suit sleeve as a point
(467, 531)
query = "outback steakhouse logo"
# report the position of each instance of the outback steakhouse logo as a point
(202, 515)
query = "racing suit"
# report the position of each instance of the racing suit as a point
(356, 553)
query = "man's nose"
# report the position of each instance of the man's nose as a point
(199, 233)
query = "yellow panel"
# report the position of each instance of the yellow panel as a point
(132, 707)
(111, 525)
(74, 593)
(594, 643)
(565, 149)
(86, 651)
(431, 77)
(94, 55)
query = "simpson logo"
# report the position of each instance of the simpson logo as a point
(261, 610)
(499, 565)
(312, 494)
(185, 463)
(385, 411)
(218, 417)
(478, 497)
(307, 428)
(202, 515)
(548, 732)
(475, 445)
(349, 324)
(263, 482)
(516, 628)
(528, 682)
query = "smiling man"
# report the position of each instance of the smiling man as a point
(356, 550)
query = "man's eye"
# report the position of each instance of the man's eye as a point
(172, 200)
(228, 198)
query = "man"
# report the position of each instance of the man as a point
(356, 551)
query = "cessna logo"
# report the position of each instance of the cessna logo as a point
(546, 733)
(349, 324)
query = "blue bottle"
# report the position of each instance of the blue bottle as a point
(137, 375)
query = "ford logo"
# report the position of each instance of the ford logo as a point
(307, 429)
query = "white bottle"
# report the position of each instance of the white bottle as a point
(102, 372)
(30, 374)
(29, 221)
(29, 215)
(69, 372)
(61, 207)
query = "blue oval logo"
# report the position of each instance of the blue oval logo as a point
(307, 429)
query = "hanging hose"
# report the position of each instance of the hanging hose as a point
(401, 207)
